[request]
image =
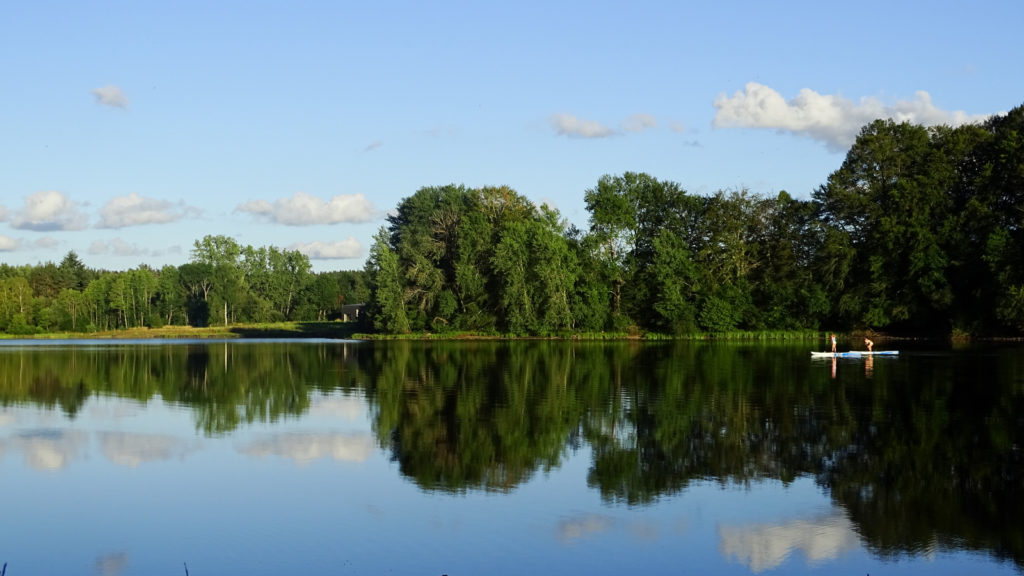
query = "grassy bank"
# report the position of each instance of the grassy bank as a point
(631, 335)
(340, 330)
(348, 330)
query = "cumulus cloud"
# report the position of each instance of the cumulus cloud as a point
(573, 127)
(135, 210)
(766, 546)
(117, 247)
(305, 209)
(349, 248)
(49, 210)
(8, 244)
(174, 249)
(111, 95)
(830, 119)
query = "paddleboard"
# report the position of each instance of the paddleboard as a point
(854, 354)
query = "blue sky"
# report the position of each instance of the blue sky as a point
(128, 130)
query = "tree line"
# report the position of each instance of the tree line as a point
(223, 283)
(919, 231)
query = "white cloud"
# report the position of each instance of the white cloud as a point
(305, 210)
(830, 119)
(8, 244)
(46, 242)
(135, 210)
(173, 249)
(639, 123)
(111, 95)
(349, 248)
(49, 210)
(117, 247)
(573, 127)
(766, 546)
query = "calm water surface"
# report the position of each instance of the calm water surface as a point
(326, 457)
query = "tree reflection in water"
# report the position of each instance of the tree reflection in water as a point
(921, 451)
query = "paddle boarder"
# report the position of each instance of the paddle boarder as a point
(833, 342)
(869, 344)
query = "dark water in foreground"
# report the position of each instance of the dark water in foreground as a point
(322, 457)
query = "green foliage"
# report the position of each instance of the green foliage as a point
(387, 292)
(19, 326)
(511, 259)
(676, 283)
(718, 315)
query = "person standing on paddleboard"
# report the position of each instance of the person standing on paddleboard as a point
(869, 344)
(833, 342)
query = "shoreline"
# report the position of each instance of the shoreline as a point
(349, 331)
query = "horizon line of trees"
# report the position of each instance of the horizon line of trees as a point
(920, 231)
(223, 283)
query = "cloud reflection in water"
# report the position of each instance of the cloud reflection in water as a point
(133, 449)
(46, 448)
(112, 564)
(766, 546)
(306, 447)
(579, 527)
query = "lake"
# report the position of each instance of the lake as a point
(465, 458)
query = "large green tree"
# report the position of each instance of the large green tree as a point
(889, 200)
(1001, 184)
(627, 215)
(229, 291)
(387, 307)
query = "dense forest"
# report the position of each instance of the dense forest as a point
(918, 232)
